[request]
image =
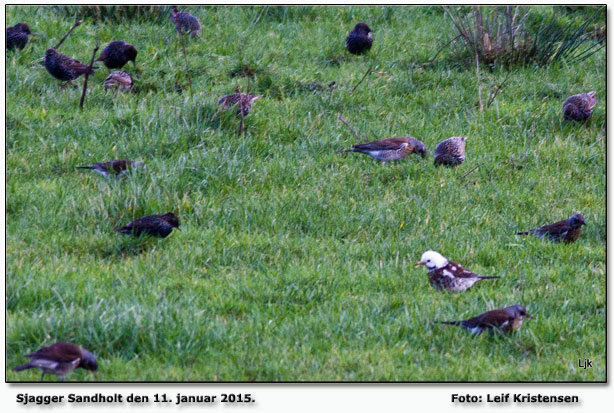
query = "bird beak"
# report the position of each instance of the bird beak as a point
(419, 263)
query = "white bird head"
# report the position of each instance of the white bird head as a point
(432, 260)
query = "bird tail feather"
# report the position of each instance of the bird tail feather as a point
(85, 167)
(346, 150)
(452, 323)
(23, 367)
(522, 233)
(487, 277)
(123, 230)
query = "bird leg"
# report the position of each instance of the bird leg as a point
(43, 376)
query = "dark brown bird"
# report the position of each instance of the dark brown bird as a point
(119, 81)
(448, 275)
(65, 68)
(185, 22)
(506, 319)
(579, 107)
(450, 152)
(567, 230)
(243, 100)
(117, 53)
(360, 39)
(17, 36)
(60, 359)
(117, 168)
(392, 149)
(156, 225)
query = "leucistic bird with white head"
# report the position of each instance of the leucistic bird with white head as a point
(448, 275)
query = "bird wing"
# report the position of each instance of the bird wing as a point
(459, 271)
(58, 352)
(151, 224)
(559, 228)
(104, 54)
(72, 64)
(229, 100)
(67, 61)
(383, 144)
(116, 166)
(494, 318)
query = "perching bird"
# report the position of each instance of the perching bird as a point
(579, 107)
(60, 359)
(360, 39)
(65, 68)
(17, 36)
(116, 54)
(243, 100)
(185, 22)
(117, 168)
(119, 80)
(156, 225)
(567, 230)
(392, 149)
(450, 152)
(447, 275)
(506, 319)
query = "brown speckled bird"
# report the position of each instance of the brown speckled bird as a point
(63, 67)
(360, 39)
(448, 275)
(156, 225)
(506, 320)
(392, 149)
(567, 230)
(117, 53)
(60, 359)
(185, 22)
(17, 36)
(243, 100)
(450, 152)
(119, 80)
(579, 107)
(244, 105)
(118, 167)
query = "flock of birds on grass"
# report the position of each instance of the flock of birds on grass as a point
(61, 358)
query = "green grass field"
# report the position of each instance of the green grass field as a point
(296, 263)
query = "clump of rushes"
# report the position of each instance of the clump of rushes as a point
(512, 35)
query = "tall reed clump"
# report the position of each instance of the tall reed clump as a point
(516, 35)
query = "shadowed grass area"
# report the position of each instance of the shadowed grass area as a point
(295, 262)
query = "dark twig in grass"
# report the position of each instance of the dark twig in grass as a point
(363, 78)
(350, 127)
(477, 75)
(494, 95)
(441, 50)
(242, 124)
(470, 171)
(187, 66)
(77, 22)
(87, 75)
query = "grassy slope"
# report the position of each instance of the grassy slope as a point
(295, 263)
